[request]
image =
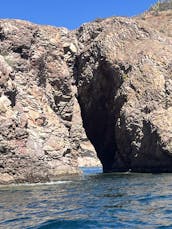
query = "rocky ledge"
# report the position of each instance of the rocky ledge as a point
(118, 71)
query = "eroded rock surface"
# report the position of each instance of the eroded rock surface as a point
(83, 149)
(119, 70)
(125, 92)
(36, 103)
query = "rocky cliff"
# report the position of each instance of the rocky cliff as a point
(125, 66)
(37, 103)
(118, 69)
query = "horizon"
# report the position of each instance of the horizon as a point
(71, 15)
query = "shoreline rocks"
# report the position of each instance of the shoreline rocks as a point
(116, 70)
(123, 71)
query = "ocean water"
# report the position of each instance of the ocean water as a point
(93, 200)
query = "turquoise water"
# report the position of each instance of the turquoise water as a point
(94, 200)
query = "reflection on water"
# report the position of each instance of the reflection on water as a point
(93, 200)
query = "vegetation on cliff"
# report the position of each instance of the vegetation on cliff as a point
(162, 5)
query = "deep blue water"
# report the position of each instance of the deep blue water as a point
(94, 200)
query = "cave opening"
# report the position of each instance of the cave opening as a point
(100, 111)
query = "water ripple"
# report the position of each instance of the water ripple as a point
(93, 200)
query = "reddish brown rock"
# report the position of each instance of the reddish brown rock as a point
(119, 69)
(36, 103)
(125, 93)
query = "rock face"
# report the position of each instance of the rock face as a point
(83, 149)
(36, 103)
(120, 71)
(124, 84)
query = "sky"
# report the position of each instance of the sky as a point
(70, 13)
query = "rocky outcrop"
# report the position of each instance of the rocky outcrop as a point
(118, 69)
(125, 93)
(36, 103)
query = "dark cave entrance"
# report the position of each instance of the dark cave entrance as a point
(100, 111)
